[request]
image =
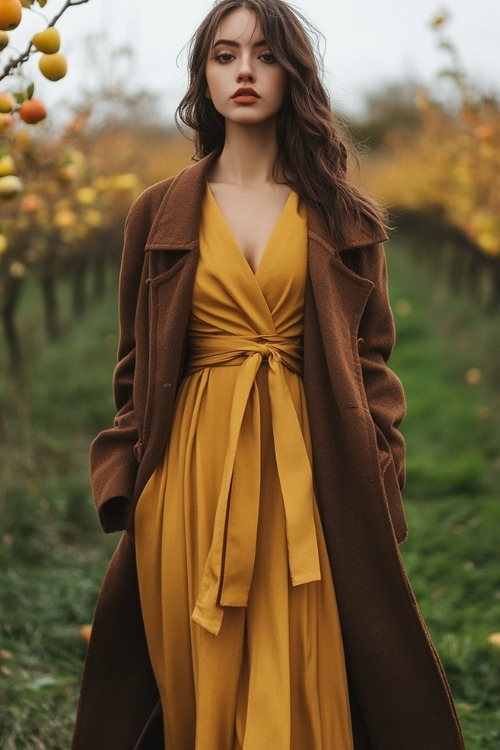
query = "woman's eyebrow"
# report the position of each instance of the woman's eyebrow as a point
(234, 43)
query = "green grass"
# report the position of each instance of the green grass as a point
(53, 554)
(452, 432)
(451, 427)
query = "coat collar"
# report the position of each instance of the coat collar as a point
(176, 225)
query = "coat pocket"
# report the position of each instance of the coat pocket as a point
(170, 293)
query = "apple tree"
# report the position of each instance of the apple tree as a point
(19, 104)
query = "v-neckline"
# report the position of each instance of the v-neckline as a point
(236, 244)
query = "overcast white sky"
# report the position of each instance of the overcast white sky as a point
(368, 42)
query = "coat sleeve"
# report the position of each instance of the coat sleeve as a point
(383, 388)
(113, 465)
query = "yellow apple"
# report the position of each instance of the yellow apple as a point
(47, 41)
(10, 185)
(11, 12)
(4, 40)
(7, 165)
(7, 102)
(54, 67)
(65, 219)
(86, 196)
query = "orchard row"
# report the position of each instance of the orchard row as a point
(65, 223)
(451, 164)
(440, 174)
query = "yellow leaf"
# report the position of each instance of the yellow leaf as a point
(494, 639)
(439, 19)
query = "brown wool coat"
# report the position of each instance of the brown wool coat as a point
(399, 696)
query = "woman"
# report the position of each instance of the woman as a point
(257, 599)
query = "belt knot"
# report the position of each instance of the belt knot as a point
(266, 351)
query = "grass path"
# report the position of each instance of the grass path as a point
(53, 555)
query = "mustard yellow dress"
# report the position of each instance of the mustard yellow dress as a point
(236, 591)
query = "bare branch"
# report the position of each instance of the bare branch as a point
(67, 4)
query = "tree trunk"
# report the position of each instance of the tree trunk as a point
(52, 322)
(12, 294)
(79, 289)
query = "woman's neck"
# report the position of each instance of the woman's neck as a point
(248, 156)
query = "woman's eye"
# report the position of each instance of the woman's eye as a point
(224, 57)
(268, 58)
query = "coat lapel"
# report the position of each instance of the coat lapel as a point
(176, 225)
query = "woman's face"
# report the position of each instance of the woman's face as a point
(244, 81)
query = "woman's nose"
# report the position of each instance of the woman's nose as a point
(246, 71)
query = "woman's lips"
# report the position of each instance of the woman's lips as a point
(245, 96)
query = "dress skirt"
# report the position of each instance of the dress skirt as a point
(236, 591)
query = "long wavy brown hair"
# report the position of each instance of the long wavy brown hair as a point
(311, 157)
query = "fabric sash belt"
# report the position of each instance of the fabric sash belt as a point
(227, 575)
